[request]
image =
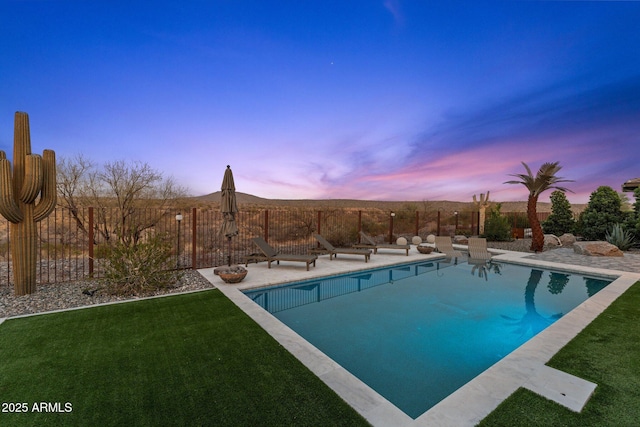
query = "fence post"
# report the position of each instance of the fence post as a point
(319, 221)
(359, 225)
(417, 222)
(90, 238)
(266, 225)
(473, 218)
(194, 240)
(438, 226)
(391, 215)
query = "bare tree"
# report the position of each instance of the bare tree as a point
(119, 192)
(72, 183)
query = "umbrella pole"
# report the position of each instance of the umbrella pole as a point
(229, 250)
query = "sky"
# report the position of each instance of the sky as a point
(377, 99)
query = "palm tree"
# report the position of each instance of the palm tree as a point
(545, 179)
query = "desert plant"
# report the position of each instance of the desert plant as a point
(601, 213)
(342, 236)
(620, 237)
(561, 219)
(140, 269)
(26, 197)
(545, 179)
(497, 227)
(125, 186)
(482, 205)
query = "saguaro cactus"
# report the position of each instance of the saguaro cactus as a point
(482, 206)
(27, 196)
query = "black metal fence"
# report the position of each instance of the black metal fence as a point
(72, 245)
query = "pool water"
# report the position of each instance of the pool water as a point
(417, 332)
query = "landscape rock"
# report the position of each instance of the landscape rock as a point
(597, 249)
(460, 240)
(552, 240)
(567, 239)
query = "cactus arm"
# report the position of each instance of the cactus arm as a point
(32, 179)
(48, 196)
(21, 149)
(8, 206)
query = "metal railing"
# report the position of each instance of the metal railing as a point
(73, 244)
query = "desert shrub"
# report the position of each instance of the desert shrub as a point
(497, 227)
(342, 236)
(374, 228)
(405, 220)
(601, 213)
(518, 220)
(561, 219)
(620, 237)
(102, 251)
(140, 269)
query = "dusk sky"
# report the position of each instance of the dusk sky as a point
(384, 100)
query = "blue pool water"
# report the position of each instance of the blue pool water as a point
(417, 332)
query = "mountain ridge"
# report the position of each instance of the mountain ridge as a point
(445, 205)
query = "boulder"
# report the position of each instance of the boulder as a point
(460, 240)
(552, 240)
(567, 239)
(597, 249)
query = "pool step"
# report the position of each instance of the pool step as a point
(565, 389)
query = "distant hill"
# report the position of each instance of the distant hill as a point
(430, 205)
(242, 198)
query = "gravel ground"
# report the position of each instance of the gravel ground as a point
(520, 245)
(60, 296)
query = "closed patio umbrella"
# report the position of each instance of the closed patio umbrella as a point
(229, 208)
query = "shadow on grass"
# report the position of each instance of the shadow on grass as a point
(192, 359)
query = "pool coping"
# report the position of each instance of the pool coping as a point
(524, 367)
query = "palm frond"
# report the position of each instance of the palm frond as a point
(543, 180)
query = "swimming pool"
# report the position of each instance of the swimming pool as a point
(416, 332)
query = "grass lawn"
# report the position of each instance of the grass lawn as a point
(607, 352)
(192, 359)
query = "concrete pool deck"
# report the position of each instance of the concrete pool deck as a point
(524, 367)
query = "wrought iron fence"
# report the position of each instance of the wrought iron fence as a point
(73, 244)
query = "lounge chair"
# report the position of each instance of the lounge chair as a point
(369, 243)
(271, 254)
(478, 249)
(333, 251)
(445, 246)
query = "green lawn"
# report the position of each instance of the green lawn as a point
(193, 359)
(607, 352)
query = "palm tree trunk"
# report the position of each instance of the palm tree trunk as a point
(537, 236)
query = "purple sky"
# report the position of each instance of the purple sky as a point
(389, 100)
